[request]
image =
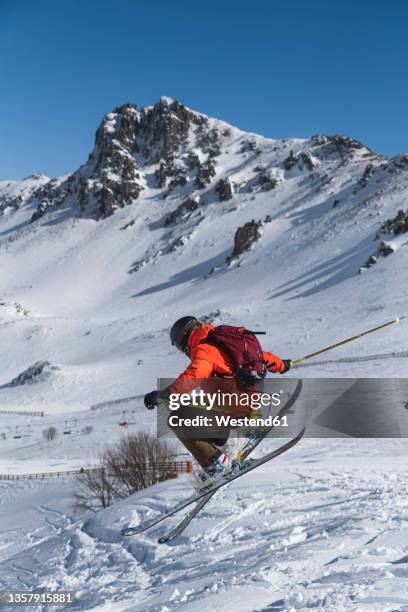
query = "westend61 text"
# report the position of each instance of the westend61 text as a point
(227, 421)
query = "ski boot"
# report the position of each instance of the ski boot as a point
(215, 471)
(237, 465)
(248, 442)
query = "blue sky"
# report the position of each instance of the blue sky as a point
(274, 67)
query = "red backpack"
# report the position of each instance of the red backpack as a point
(243, 349)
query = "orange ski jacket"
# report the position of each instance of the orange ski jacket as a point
(207, 360)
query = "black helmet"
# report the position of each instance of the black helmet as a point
(181, 330)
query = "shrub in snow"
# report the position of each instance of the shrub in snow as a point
(94, 490)
(136, 462)
(139, 461)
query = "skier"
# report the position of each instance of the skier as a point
(214, 352)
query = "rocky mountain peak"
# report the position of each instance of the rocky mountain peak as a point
(127, 141)
(164, 127)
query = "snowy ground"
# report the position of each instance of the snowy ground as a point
(323, 527)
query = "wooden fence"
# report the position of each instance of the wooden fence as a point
(175, 467)
(115, 402)
(23, 413)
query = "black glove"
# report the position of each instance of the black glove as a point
(287, 363)
(154, 398)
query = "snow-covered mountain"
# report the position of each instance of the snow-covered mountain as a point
(176, 213)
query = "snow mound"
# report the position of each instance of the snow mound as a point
(38, 372)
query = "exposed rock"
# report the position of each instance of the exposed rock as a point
(307, 160)
(37, 372)
(209, 142)
(137, 265)
(224, 189)
(182, 211)
(7, 201)
(368, 172)
(15, 307)
(267, 180)
(290, 161)
(373, 259)
(52, 193)
(397, 225)
(40, 212)
(107, 202)
(164, 127)
(245, 237)
(179, 181)
(302, 159)
(13, 194)
(385, 249)
(178, 243)
(249, 146)
(110, 179)
(336, 143)
(204, 175)
(396, 164)
(210, 317)
(192, 161)
(127, 225)
(161, 175)
(171, 169)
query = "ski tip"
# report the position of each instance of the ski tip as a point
(163, 540)
(397, 320)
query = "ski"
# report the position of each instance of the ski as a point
(184, 523)
(128, 531)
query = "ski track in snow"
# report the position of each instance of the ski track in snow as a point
(313, 530)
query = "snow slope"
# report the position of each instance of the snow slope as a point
(70, 296)
(322, 528)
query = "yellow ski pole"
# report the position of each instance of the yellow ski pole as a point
(332, 346)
